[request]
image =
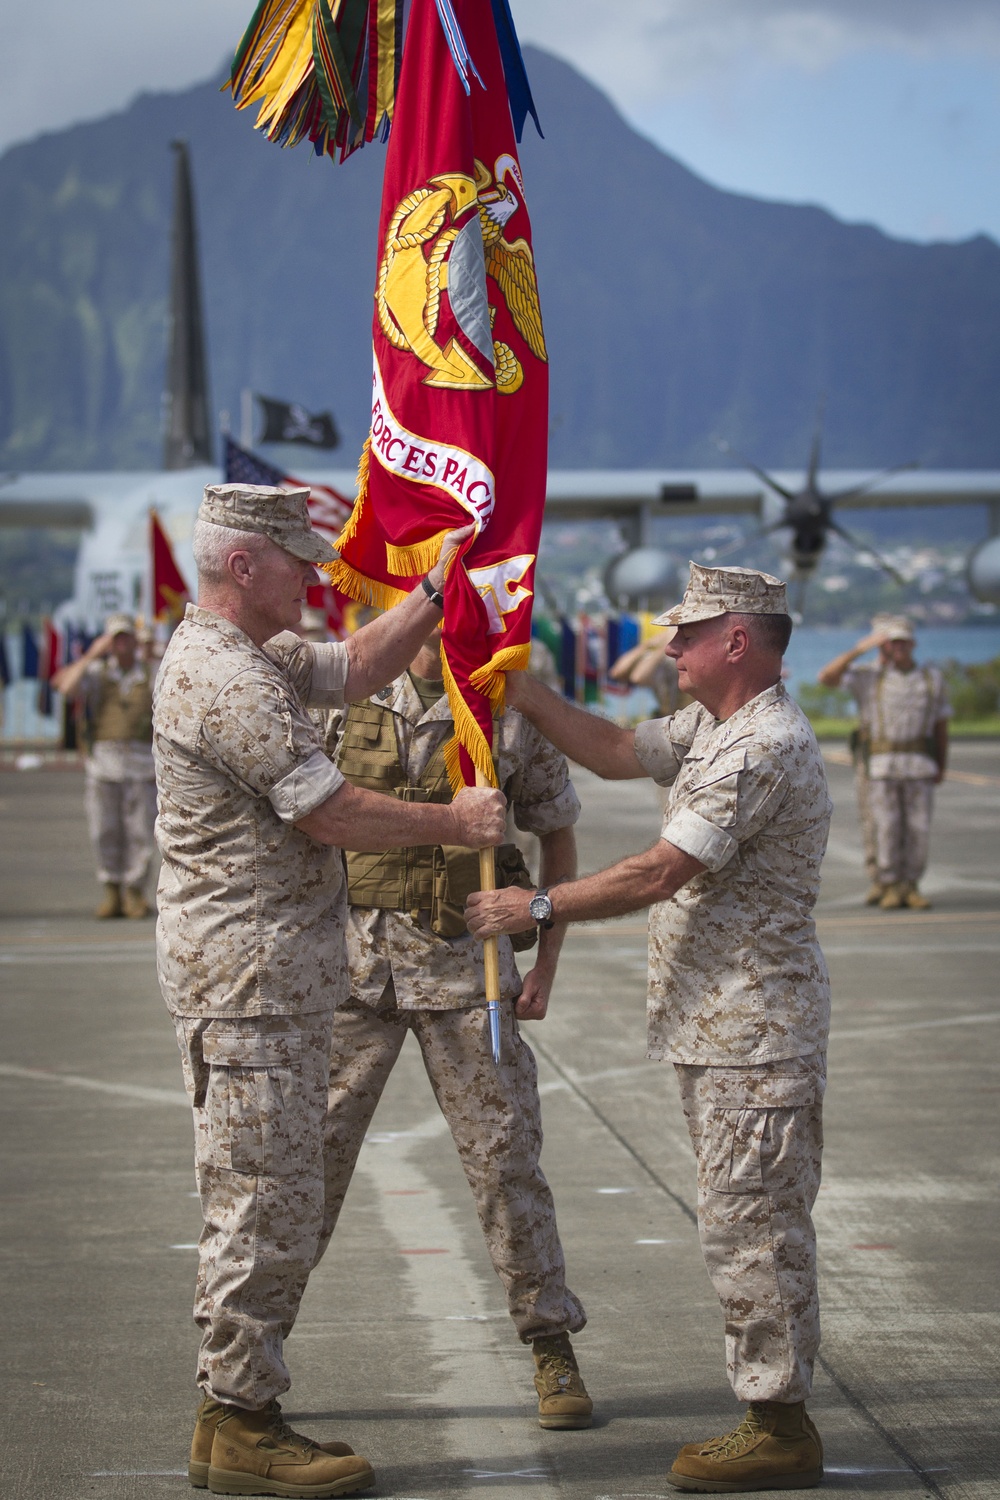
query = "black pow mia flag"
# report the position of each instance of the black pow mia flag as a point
(286, 422)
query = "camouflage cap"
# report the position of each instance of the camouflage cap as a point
(896, 628)
(119, 624)
(721, 591)
(282, 515)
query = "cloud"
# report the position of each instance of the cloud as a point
(68, 61)
(642, 50)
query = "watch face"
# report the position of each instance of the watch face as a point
(540, 908)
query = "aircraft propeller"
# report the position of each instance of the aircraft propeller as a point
(808, 513)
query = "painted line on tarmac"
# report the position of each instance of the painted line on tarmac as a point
(968, 778)
(912, 1464)
(74, 953)
(414, 1211)
(905, 948)
(905, 921)
(861, 1033)
(136, 1091)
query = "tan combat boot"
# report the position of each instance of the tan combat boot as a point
(111, 904)
(775, 1447)
(134, 903)
(875, 893)
(892, 900)
(563, 1402)
(257, 1453)
(206, 1421)
(915, 900)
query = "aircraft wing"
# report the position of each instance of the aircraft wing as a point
(615, 494)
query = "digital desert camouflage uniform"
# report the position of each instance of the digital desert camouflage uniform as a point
(739, 1002)
(404, 977)
(251, 962)
(120, 788)
(900, 711)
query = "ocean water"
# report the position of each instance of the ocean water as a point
(813, 646)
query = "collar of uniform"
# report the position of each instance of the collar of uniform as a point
(196, 615)
(401, 697)
(731, 729)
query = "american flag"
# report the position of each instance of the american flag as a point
(328, 508)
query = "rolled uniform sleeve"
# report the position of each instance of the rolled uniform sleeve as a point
(317, 671)
(546, 799)
(265, 741)
(305, 787)
(662, 744)
(738, 795)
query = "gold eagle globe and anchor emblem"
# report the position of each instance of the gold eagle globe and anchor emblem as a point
(445, 239)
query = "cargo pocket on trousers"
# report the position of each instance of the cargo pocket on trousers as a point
(251, 1085)
(734, 1164)
(742, 1141)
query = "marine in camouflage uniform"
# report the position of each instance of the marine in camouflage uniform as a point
(904, 714)
(415, 968)
(739, 995)
(114, 688)
(250, 950)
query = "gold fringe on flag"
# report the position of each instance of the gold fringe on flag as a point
(353, 520)
(468, 735)
(490, 677)
(420, 557)
(365, 590)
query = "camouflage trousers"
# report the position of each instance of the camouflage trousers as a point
(758, 1137)
(861, 785)
(258, 1089)
(120, 816)
(495, 1121)
(901, 813)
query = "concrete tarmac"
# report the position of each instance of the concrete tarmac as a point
(403, 1345)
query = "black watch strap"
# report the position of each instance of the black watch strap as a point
(433, 594)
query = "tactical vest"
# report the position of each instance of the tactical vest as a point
(429, 877)
(878, 742)
(116, 718)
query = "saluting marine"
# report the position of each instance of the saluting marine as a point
(114, 687)
(903, 741)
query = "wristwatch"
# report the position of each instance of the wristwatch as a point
(540, 908)
(433, 594)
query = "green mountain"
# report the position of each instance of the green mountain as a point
(674, 312)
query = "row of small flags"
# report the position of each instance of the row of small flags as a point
(585, 648)
(42, 654)
(583, 651)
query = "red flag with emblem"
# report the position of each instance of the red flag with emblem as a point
(169, 591)
(460, 384)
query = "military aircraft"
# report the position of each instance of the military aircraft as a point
(111, 510)
(779, 501)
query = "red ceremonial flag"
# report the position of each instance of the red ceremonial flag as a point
(460, 387)
(169, 591)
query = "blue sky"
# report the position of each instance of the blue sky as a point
(909, 143)
(886, 111)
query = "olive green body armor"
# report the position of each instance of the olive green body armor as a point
(434, 878)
